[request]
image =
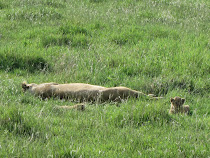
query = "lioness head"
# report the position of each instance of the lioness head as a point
(26, 86)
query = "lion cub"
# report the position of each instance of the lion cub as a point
(178, 107)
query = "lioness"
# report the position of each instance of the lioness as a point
(178, 107)
(82, 92)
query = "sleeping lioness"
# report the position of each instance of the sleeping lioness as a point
(82, 92)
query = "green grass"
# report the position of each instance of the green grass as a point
(157, 46)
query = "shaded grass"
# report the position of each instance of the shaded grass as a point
(3, 5)
(12, 61)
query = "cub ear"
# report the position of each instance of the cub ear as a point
(25, 86)
(172, 100)
(183, 100)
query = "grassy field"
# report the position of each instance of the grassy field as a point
(156, 46)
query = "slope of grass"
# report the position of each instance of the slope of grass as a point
(156, 46)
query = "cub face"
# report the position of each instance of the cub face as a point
(177, 102)
(177, 106)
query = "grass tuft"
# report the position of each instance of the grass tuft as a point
(73, 30)
(14, 121)
(134, 35)
(65, 40)
(69, 35)
(139, 115)
(162, 86)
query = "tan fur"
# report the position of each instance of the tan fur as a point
(82, 92)
(77, 107)
(178, 107)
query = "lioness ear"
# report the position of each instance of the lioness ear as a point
(172, 100)
(183, 100)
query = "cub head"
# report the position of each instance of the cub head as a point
(177, 102)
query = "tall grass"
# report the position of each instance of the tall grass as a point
(157, 46)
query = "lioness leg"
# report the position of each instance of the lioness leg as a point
(77, 107)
